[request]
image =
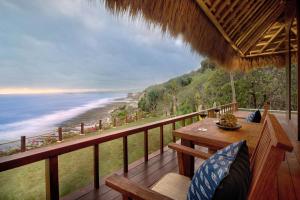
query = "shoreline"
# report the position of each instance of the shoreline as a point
(92, 117)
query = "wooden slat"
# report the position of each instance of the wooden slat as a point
(125, 154)
(173, 128)
(52, 183)
(96, 166)
(271, 39)
(146, 145)
(161, 133)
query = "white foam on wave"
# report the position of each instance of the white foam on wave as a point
(46, 123)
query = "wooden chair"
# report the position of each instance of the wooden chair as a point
(264, 164)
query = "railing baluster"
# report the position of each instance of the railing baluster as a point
(96, 166)
(82, 129)
(23, 143)
(52, 183)
(60, 134)
(183, 122)
(161, 128)
(125, 154)
(146, 145)
(173, 128)
(100, 124)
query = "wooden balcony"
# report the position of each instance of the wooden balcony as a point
(152, 167)
(146, 174)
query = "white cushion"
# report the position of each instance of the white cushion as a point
(173, 185)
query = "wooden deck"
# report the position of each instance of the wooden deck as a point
(146, 174)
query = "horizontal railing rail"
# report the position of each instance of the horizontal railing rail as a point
(51, 153)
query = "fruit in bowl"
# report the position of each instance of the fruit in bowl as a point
(228, 120)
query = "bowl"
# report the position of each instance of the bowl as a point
(238, 126)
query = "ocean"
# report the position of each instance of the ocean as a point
(31, 115)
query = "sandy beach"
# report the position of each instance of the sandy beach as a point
(93, 116)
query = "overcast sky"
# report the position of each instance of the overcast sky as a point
(75, 44)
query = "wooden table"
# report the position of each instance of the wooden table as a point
(215, 138)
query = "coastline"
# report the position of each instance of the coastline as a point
(92, 117)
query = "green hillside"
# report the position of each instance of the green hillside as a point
(211, 84)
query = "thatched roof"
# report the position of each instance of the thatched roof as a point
(234, 33)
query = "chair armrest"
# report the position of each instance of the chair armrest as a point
(130, 189)
(189, 151)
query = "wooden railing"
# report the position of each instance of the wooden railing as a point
(50, 154)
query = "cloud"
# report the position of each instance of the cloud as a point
(75, 44)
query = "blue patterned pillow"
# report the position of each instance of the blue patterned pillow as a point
(254, 117)
(210, 174)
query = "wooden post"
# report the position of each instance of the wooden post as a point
(125, 154)
(183, 122)
(52, 183)
(100, 124)
(23, 143)
(115, 123)
(298, 71)
(136, 116)
(96, 166)
(288, 68)
(146, 145)
(173, 128)
(82, 129)
(60, 137)
(232, 87)
(126, 119)
(161, 128)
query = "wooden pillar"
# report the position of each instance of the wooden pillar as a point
(23, 143)
(232, 87)
(298, 71)
(288, 63)
(52, 183)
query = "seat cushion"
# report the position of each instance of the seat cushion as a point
(254, 117)
(173, 185)
(220, 175)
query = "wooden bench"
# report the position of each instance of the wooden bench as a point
(264, 165)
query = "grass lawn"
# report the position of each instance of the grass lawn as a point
(76, 168)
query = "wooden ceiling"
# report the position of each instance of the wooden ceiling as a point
(253, 27)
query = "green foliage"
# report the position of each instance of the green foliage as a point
(211, 84)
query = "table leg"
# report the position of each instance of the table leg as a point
(189, 161)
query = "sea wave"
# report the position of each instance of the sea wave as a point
(46, 123)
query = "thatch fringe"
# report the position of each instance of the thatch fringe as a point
(186, 18)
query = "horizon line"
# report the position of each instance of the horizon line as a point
(13, 91)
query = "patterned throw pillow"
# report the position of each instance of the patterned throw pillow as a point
(210, 174)
(254, 117)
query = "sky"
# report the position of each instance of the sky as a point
(76, 44)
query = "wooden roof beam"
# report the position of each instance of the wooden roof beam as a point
(252, 37)
(230, 9)
(234, 29)
(271, 39)
(266, 11)
(293, 29)
(215, 4)
(218, 26)
(235, 12)
(221, 8)
(268, 53)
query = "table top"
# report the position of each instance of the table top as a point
(217, 138)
